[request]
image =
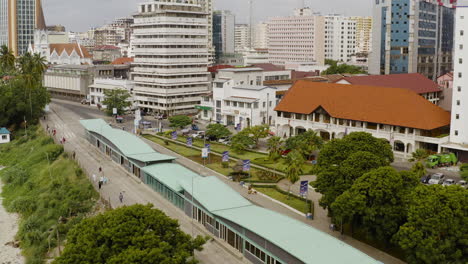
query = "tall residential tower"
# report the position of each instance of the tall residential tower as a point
(18, 20)
(171, 56)
(412, 36)
(223, 32)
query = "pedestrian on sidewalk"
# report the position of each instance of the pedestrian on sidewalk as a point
(101, 181)
(54, 132)
(100, 170)
(100, 184)
(121, 197)
(63, 140)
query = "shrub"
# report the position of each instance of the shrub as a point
(225, 165)
(53, 152)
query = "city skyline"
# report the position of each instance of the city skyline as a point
(70, 13)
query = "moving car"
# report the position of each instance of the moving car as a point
(85, 102)
(198, 134)
(448, 182)
(437, 178)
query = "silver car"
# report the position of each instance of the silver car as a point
(448, 182)
(437, 178)
(463, 184)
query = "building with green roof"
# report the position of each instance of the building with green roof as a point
(261, 235)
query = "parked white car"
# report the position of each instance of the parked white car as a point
(198, 134)
(437, 178)
(463, 184)
(448, 182)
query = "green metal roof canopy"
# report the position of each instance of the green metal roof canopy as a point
(170, 174)
(128, 144)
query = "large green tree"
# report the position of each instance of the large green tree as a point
(342, 161)
(257, 132)
(306, 143)
(217, 131)
(338, 150)
(336, 68)
(241, 142)
(335, 180)
(22, 97)
(118, 99)
(376, 202)
(179, 121)
(134, 234)
(437, 229)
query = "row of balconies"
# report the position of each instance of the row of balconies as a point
(160, 61)
(182, 31)
(171, 41)
(171, 80)
(169, 71)
(174, 51)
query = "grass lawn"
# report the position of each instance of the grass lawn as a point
(257, 158)
(213, 163)
(291, 201)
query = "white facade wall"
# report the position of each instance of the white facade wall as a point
(340, 38)
(3, 22)
(242, 37)
(97, 89)
(171, 56)
(4, 138)
(298, 38)
(459, 125)
(240, 97)
(260, 36)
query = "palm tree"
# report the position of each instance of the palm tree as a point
(295, 161)
(420, 154)
(310, 143)
(7, 59)
(39, 65)
(274, 147)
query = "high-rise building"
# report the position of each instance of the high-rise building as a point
(260, 36)
(298, 38)
(223, 32)
(18, 20)
(412, 36)
(340, 38)
(459, 124)
(363, 34)
(242, 37)
(171, 51)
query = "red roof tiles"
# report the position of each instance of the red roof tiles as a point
(123, 60)
(391, 106)
(415, 82)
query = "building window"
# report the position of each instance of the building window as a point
(228, 103)
(264, 104)
(255, 105)
(218, 104)
(205, 113)
(456, 132)
(4, 137)
(459, 88)
(457, 116)
(460, 75)
(234, 104)
(462, 32)
(241, 104)
(458, 102)
(460, 60)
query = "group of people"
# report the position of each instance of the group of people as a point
(102, 179)
(53, 132)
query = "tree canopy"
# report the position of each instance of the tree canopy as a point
(275, 144)
(217, 131)
(241, 142)
(134, 234)
(376, 202)
(341, 68)
(436, 230)
(258, 132)
(294, 168)
(180, 121)
(306, 143)
(118, 99)
(22, 95)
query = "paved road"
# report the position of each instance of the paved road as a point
(66, 115)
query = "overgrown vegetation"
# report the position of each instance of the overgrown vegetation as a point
(336, 68)
(43, 186)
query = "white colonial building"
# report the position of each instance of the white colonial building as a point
(403, 118)
(171, 51)
(239, 97)
(100, 85)
(54, 47)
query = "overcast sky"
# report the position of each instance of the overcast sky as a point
(79, 15)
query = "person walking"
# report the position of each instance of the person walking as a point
(101, 182)
(100, 170)
(121, 197)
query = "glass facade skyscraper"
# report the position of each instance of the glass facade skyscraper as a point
(18, 20)
(412, 36)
